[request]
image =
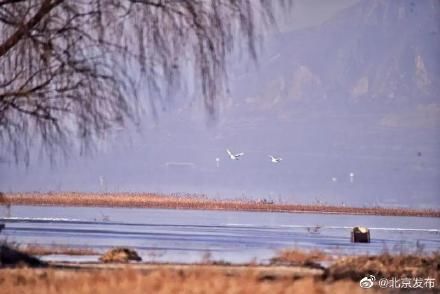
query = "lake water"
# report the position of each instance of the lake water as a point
(165, 235)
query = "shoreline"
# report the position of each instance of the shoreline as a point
(171, 279)
(298, 274)
(194, 202)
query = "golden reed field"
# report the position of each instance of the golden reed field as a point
(296, 276)
(197, 279)
(190, 201)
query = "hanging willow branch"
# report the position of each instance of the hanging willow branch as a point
(71, 68)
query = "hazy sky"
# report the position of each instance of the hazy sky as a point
(313, 12)
(345, 87)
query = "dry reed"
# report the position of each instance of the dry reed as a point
(192, 280)
(190, 201)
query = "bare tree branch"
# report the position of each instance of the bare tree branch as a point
(72, 69)
(45, 8)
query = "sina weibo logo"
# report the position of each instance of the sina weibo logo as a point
(367, 282)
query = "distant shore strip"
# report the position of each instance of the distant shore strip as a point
(190, 201)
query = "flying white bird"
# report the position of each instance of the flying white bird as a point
(275, 159)
(234, 156)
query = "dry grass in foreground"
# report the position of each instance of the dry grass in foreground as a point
(342, 276)
(356, 267)
(197, 279)
(296, 257)
(386, 265)
(188, 201)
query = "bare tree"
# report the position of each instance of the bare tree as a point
(72, 68)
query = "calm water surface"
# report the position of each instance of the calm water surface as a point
(189, 235)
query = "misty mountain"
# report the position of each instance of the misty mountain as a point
(354, 93)
(377, 53)
(359, 91)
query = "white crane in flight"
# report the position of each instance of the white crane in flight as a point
(275, 159)
(234, 156)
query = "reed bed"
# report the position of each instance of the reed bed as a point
(341, 276)
(301, 257)
(388, 265)
(191, 201)
(197, 279)
(416, 264)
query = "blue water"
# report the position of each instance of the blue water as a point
(164, 235)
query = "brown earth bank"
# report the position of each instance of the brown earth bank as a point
(190, 201)
(292, 271)
(148, 278)
(196, 279)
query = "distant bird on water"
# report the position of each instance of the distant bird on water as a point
(234, 156)
(275, 159)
